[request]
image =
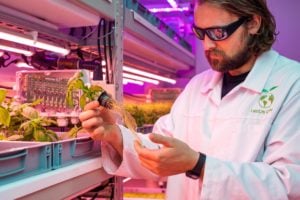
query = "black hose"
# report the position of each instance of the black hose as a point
(105, 51)
(111, 32)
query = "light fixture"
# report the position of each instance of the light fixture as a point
(24, 65)
(172, 3)
(139, 78)
(16, 50)
(127, 80)
(149, 75)
(134, 78)
(30, 41)
(156, 10)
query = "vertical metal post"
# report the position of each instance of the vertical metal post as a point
(118, 70)
(118, 48)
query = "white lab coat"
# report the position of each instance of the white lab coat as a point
(251, 136)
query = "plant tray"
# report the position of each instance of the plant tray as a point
(70, 151)
(19, 160)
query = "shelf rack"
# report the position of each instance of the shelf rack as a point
(63, 183)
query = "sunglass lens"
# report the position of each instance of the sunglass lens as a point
(217, 34)
(198, 32)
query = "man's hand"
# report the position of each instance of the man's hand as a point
(174, 157)
(100, 123)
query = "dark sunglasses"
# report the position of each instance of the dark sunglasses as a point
(218, 33)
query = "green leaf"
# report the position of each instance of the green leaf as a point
(4, 116)
(15, 137)
(265, 91)
(271, 98)
(36, 102)
(48, 122)
(73, 132)
(96, 88)
(30, 113)
(2, 135)
(263, 97)
(39, 135)
(50, 135)
(27, 129)
(82, 101)
(69, 99)
(2, 95)
(78, 84)
(273, 88)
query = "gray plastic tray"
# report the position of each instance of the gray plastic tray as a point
(23, 159)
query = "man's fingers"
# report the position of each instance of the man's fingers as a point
(92, 122)
(143, 152)
(88, 114)
(138, 146)
(91, 105)
(160, 139)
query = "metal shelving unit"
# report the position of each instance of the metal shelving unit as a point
(63, 183)
(78, 178)
(136, 38)
(149, 38)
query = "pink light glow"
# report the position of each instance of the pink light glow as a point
(156, 10)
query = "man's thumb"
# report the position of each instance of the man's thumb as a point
(160, 139)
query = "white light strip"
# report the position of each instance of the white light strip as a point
(156, 10)
(126, 80)
(139, 78)
(150, 75)
(135, 77)
(16, 50)
(173, 3)
(126, 179)
(22, 39)
(24, 65)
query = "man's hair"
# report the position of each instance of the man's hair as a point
(266, 35)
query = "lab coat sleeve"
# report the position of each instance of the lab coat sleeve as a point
(277, 176)
(130, 165)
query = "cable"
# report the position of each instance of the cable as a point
(5, 57)
(99, 41)
(110, 29)
(6, 87)
(105, 52)
(79, 53)
(92, 31)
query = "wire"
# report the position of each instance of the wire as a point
(99, 41)
(6, 87)
(105, 52)
(93, 31)
(5, 57)
(111, 29)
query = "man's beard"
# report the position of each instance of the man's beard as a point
(225, 63)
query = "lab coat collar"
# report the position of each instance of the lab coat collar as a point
(214, 78)
(260, 72)
(255, 80)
